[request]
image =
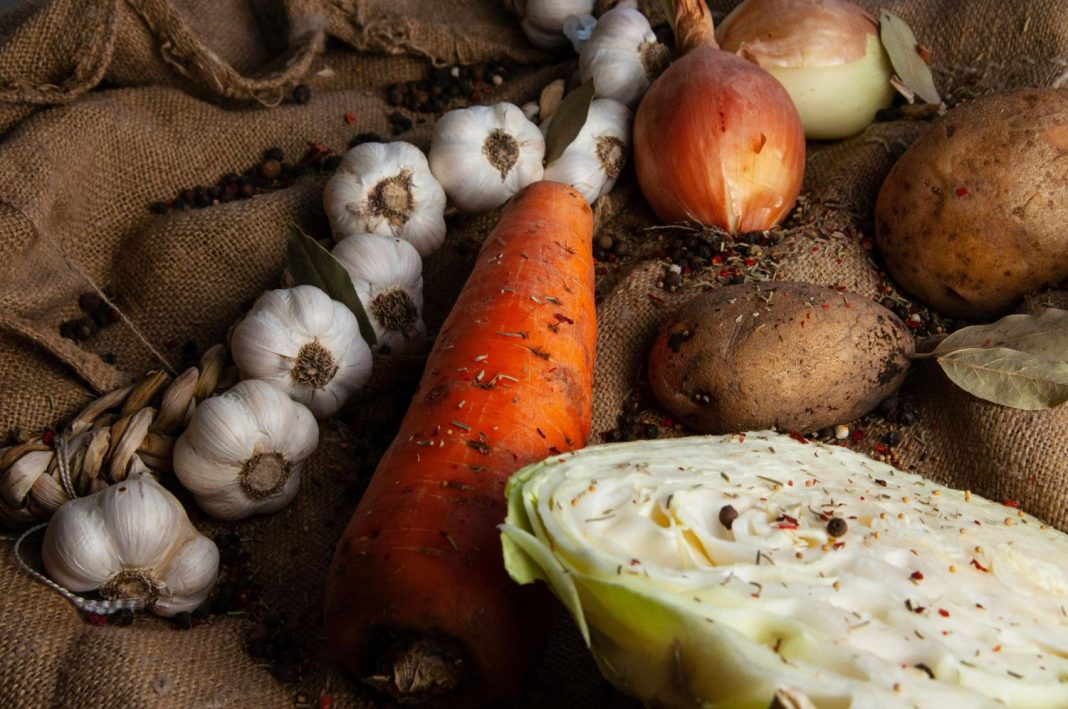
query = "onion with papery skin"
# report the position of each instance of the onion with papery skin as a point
(827, 53)
(717, 139)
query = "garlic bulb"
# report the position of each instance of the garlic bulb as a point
(622, 56)
(543, 20)
(388, 276)
(131, 540)
(306, 344)
(243, 451)
(387, 188)
(482, 155)
(594, 159)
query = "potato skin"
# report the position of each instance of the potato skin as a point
(792, 355)
(972, 217)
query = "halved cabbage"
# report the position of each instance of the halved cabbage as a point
(924, 597)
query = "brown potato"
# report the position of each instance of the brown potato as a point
(791, 355)
(973, 216)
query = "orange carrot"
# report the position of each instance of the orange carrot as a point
(418, 602)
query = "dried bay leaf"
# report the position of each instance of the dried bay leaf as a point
(567, 121)
(1043, 335)
(907, 56)
(1008, 377)
(312, 265)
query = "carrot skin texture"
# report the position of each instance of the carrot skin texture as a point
(508, 382)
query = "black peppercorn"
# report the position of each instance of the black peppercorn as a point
(274, 154)
(837, 527)
(158, 207)
(727, 515)
(302, 93)
(270, 169)
(90, 301)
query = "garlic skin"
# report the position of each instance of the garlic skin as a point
(306, 344)
(132, 539)
(622, 56)
(543, 20)
(388, 276)
(597, 155)
(243, 451)
(387, 188)
(826, 53)
(483, 155)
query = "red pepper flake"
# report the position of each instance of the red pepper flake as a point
(1010, 503)
(560, 317)
(787, 518)
(750, 262)
(976, 564)
(881, 448)
(97, 619)
(997, 648)
(916, 576)
(48, 436)
(634, 562)
(725, 273)
(795, 434)
(943, 612)
(326, 702)
(786, 526)
(910, 323)
(866, 244)
(914, 609)
(350, 118)
(667, 423)
(961, 191)
(857, 435)
(717, 260)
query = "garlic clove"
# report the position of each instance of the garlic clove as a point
(482, 155)
(388, 277)
(261, 473)
(77, 551)
(623, 56)
(306, 344)
(189, 576)
(387, 188)
(125, 510)
(596, 157)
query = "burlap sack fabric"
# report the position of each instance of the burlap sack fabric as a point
(107, 106)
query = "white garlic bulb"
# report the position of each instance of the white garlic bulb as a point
(593, 160)
(543, 20)
(483, 155)
(622, 56)
(388, 276)
(131, 540)
(387, 188)
(243, 451)
(306, 344)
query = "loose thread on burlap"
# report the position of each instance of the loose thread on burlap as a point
(73, 264)
(86, 605)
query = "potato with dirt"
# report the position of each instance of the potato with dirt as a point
(974, 215)
(795, 356)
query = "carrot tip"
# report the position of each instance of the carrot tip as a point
(417, 670)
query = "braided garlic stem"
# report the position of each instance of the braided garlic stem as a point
(125, 430)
